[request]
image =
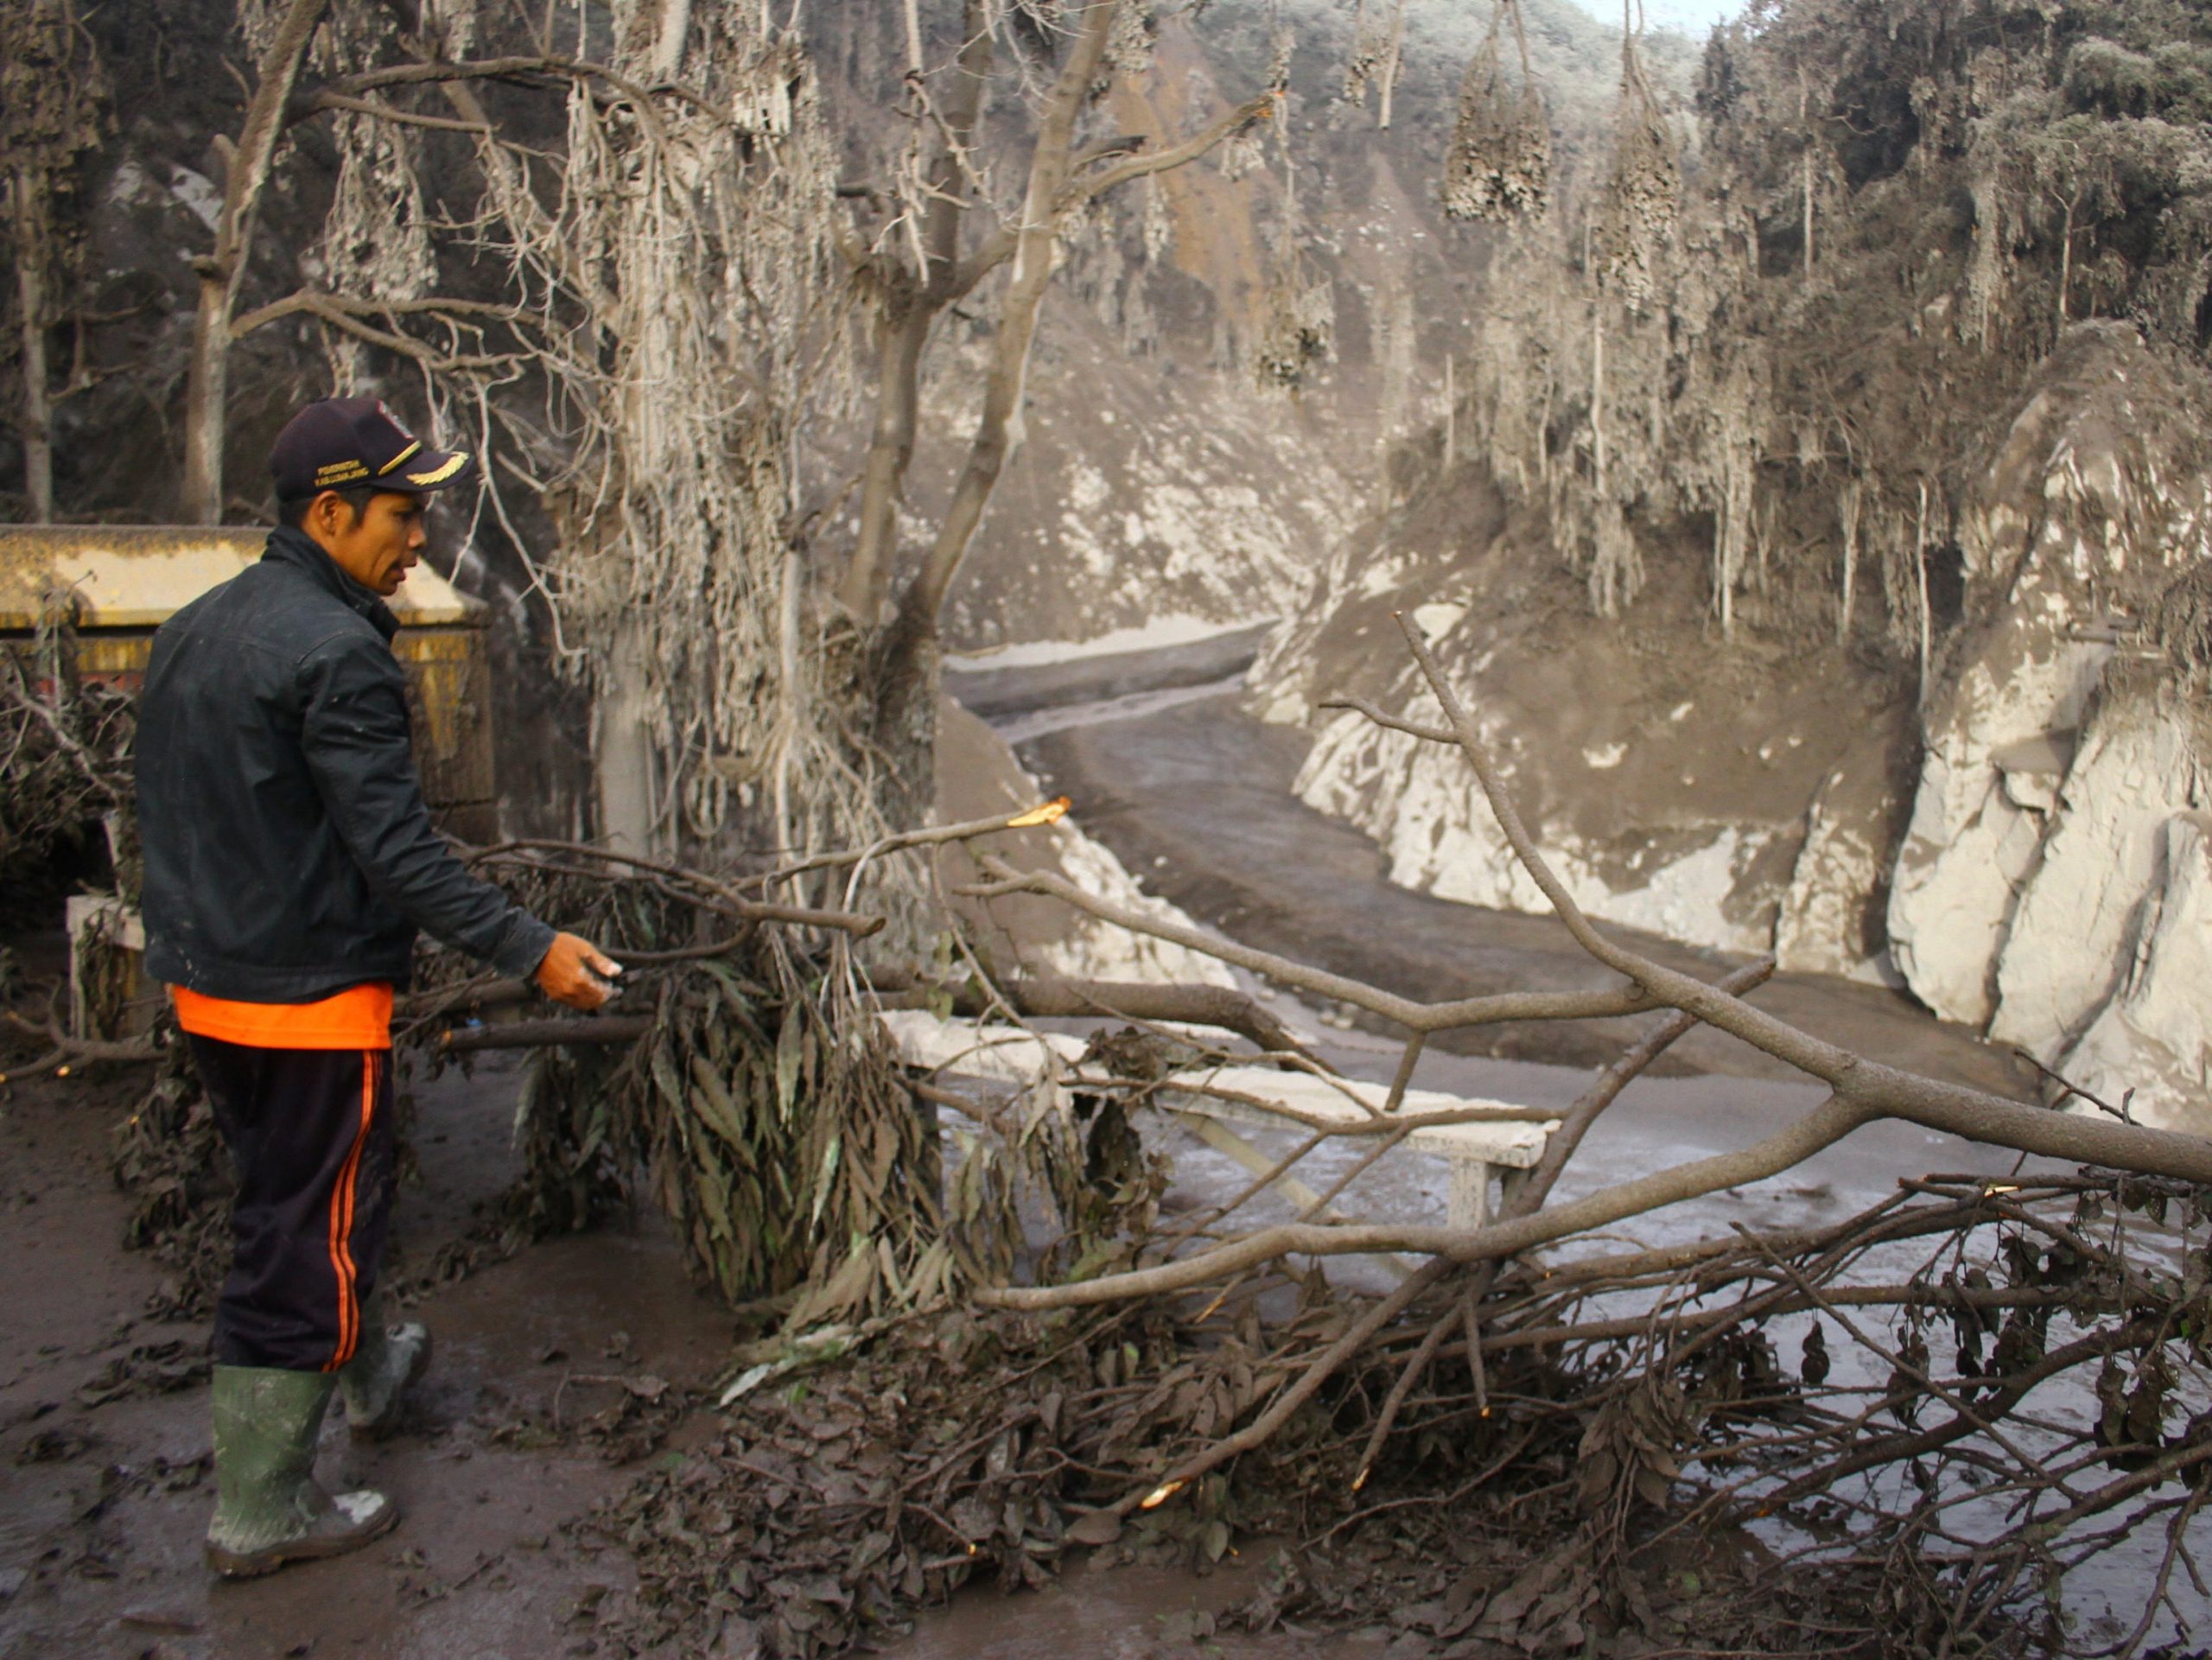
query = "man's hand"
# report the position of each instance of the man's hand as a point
(574, 972)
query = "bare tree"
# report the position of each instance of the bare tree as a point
(916, 254)
(672, 320)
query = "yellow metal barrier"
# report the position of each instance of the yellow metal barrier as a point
(120, 582)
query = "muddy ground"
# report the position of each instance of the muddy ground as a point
(104, 1494)
(99, 1538)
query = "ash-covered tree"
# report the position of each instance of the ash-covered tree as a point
(623, 252)
(2093, 185)
(641, 295)
(929, 231)
(1970, 176)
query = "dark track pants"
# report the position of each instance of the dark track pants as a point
(310, 1132)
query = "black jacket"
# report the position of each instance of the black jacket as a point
(289, 851)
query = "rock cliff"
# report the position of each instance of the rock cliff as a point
(1815, 587)
(2024, 847)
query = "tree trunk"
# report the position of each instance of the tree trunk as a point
(906, 330)
(206, 392)
(1805, 162)
(632, 815)
(1597, 391)
(1450, 420)
(999, 431)
(668, 48)
(1850, 514)
(1808, 166)
(1392, 62)
(2065, 266)
(1920, 579)
(914, 61)
(890, 453)
(30, 286)
(207, 380)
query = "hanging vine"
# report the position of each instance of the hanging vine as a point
(1298, 309)
(1498, 165)
(1641, 202)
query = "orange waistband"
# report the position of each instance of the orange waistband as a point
(357, 1018)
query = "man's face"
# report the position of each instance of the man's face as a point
(380, 548)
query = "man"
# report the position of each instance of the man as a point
(290, 860)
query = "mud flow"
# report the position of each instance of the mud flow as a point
(542, 1362)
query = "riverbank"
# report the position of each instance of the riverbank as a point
(1195, 799)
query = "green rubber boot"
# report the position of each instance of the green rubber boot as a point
(390, 1358)
(269, 1510)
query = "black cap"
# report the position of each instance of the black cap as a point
(341, 441)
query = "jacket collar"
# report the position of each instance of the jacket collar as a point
(297, 549)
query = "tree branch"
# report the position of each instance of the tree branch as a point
(1047, 998)
(1089, 186)
(725, 898)
(430, 71)
(339, 308)
(1415, 1016)
(548, 1034)
(329, 101)
(913, 302)
(996, 429)
(1575, 1123)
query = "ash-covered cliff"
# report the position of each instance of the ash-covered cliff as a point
(1159, 475)
(1822, 597)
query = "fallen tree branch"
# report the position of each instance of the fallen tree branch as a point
(64, 1052)
(1380, 1123)
(548, 1034)
(1040, 997)
(1575, 1122)
(722, 896)
(1048, 812)
(1429, 1018)
(1943, 1299)
(2030, 1130)
(1355, 1336)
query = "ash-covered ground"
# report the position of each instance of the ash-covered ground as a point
(566, 1371)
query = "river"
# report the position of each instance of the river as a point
(1195, 796)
